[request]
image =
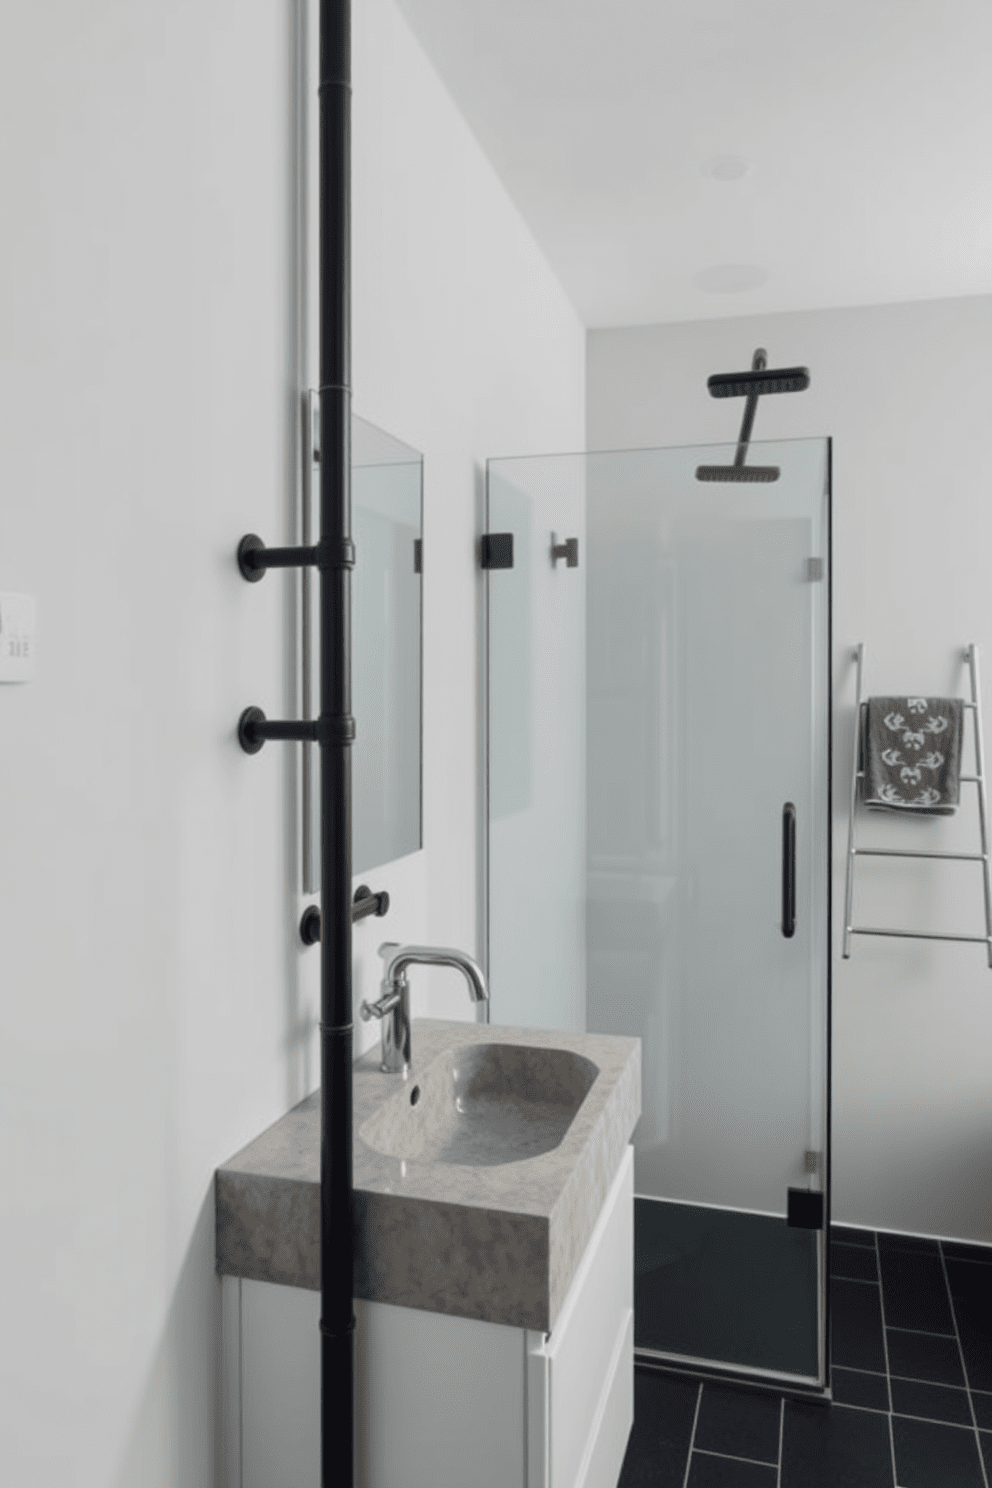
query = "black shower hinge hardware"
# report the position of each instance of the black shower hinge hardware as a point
(813, 570)
(364, 904)
(254, 729)
(568, 549)
(418, 555)
(497, 550)
(805, 1209)
(254, 557)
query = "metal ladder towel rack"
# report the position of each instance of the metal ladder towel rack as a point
(978, 779)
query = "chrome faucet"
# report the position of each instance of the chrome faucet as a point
(393, 1006)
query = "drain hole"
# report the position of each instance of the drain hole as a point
(414, 1095)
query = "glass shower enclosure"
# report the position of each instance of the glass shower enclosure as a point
(658, 857)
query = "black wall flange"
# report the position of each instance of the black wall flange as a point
(364, 904)
(254, 557)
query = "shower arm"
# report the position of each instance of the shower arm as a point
(750, 409)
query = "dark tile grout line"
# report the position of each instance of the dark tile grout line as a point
(927, 1332)
(902, 1415)
(927, 1239)
(692, 1438)
(730, 1457)
(911, 1379)
(964, 1366)
(781, 1433)
(888, 1377)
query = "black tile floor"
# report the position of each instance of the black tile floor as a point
(911, 1351)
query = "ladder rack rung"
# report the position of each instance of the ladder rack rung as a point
(921, 935)
(859, 772)
(895, 852)
(860, 775)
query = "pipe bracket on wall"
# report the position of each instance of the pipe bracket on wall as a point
(254, 728)
(254, 557)
(364, 904)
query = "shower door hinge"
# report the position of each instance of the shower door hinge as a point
(813, 570)
(568, 549)
(497, 550)
(805, 1209)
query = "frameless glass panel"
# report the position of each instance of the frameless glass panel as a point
(386, 495)
(706, 712)
(537, 827)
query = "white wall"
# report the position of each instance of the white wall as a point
(466, 347)
(905, 391)
(158, 1011)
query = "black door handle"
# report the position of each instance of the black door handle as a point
(788, 870)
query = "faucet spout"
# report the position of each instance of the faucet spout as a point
(393, 1006)
(403, 956)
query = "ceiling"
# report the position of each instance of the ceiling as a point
(621, 127)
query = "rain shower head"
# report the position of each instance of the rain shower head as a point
(758, 382)
(741, 473)
(752, 386)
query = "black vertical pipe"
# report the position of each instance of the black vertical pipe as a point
(336, 729)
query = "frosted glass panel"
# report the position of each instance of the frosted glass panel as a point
(537, 787)
(695, 645)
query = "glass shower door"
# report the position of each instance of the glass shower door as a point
(684, 803)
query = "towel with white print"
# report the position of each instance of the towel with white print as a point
(911, 754)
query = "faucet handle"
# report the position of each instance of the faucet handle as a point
(379, 1009)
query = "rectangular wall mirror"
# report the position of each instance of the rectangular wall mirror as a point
(387, 507)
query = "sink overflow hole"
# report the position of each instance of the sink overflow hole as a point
(414, 1095)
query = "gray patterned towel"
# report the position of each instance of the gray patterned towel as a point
(911, 754)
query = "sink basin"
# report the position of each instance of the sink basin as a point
(483, 1105)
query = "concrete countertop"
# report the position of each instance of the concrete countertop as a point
(498, 1243)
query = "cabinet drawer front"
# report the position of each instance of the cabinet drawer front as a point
(591, 1345)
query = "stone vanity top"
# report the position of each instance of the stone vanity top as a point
(499, 1242)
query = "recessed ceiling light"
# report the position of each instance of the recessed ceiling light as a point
(725, 167)
(730, 278)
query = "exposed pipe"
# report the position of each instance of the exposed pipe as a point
(336, 730)
(333, 731)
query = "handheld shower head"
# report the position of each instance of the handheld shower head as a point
(752, 386)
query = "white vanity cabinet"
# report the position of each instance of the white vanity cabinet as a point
(442, 1401)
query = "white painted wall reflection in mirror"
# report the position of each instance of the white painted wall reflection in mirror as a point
(386, 494)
